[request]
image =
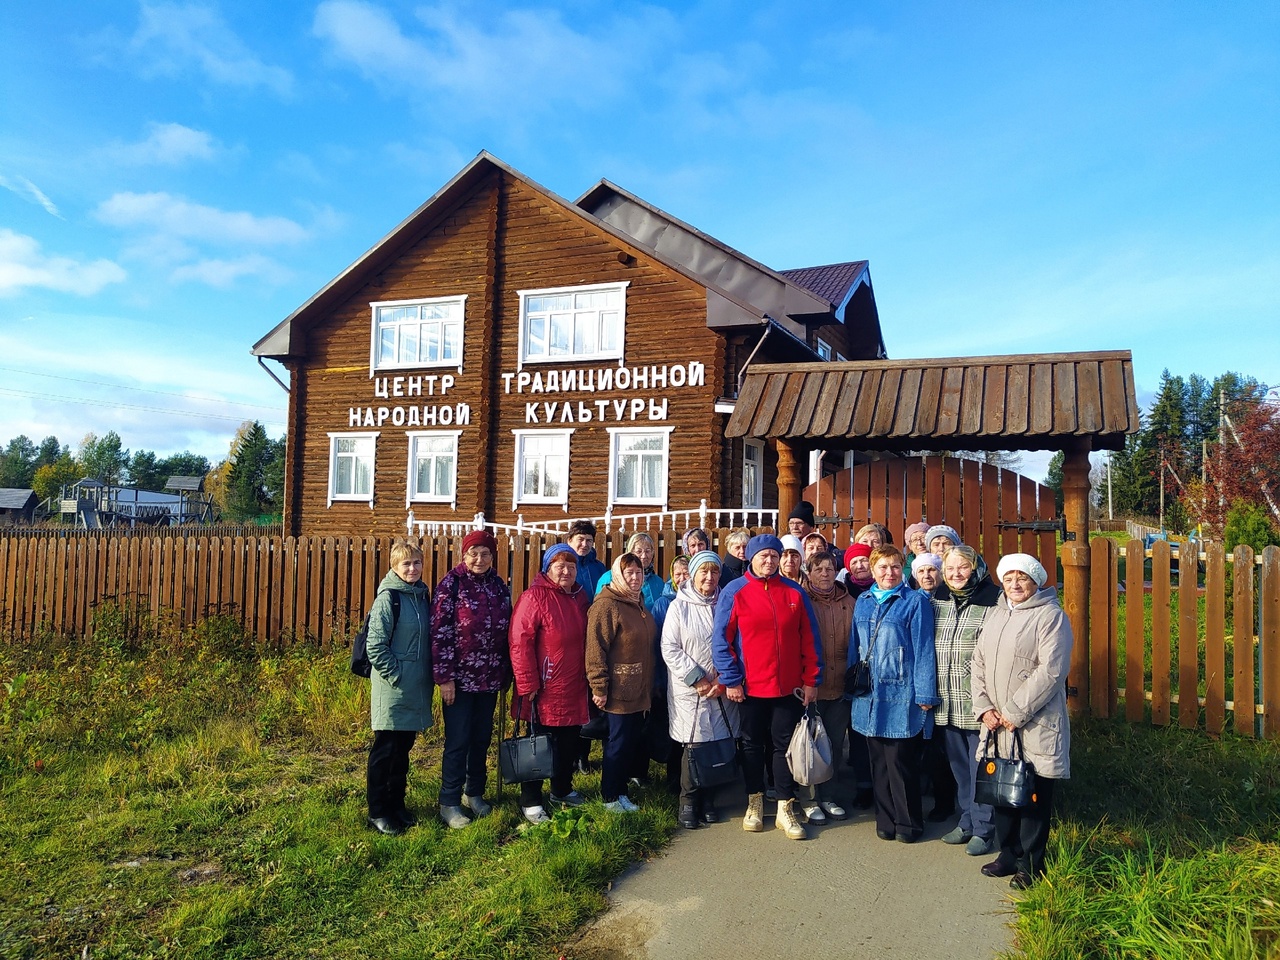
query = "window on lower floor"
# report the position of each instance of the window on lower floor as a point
(433, 467)
(542, 467)
(752, 475)
(638, 459)
(351, 460)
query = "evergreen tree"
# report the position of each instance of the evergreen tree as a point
(246, 494)
(18, 462)
(1053, 480)
(103, 459)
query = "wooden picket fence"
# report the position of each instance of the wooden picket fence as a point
(1209, 645)
(278, 589)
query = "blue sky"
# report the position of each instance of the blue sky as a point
(1023, 177)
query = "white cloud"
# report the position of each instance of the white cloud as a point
(173, 38)
(224, 273)
(166, 144)
(177, 217)
(23, 266)
(30, 192)
(524, 60)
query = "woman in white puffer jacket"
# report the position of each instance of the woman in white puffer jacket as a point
(698, 709)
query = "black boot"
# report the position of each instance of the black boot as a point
(688, 816)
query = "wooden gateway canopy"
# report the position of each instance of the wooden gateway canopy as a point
(1073, 402)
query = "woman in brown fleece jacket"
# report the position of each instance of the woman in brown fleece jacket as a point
(621, 635)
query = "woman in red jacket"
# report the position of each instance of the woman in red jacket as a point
(548, 660)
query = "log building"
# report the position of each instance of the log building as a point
(508, 352)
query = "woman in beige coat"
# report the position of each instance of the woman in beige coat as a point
(1019, 684)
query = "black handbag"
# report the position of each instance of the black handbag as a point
(525, 757)
(714, 762)
(857, 679)
(1004, 781)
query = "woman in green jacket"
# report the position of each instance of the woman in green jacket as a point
(399, 644)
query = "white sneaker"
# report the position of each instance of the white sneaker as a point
(628, 805)
(615, 806)
(813, 811)
(834, 810)
(536, 814)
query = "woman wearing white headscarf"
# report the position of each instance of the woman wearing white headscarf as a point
(698, 709)
(1019, 684)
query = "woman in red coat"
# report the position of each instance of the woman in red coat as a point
(548, 660)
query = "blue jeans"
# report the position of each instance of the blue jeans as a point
(625, 741)
(468, 730)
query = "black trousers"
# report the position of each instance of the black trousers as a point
(767, 726)
(468, 730)
(895, 783)
(1023, 834)
(564, 758)
(387, 777)
(625, 743)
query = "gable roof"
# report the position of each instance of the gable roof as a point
(1030, 402)
(16, 498)
(725, 306)
(834, 282)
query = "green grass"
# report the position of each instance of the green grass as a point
(172, 793)
(1167, 846)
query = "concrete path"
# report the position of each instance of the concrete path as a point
(721, 892)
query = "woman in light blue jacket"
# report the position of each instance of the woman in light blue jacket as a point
(893, 628)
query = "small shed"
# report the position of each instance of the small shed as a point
(196, 506)
(17, 506)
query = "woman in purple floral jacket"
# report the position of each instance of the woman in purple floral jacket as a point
(471, 662)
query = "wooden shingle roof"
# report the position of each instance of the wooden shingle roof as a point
(1029, 402)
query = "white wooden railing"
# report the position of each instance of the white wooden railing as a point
(677, 520)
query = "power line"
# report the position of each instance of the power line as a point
(133, 406)
(122, 386)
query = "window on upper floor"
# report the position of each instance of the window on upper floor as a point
(417, 333)
(824, 349)
(433, 467)
(351, 461)
(752, 475)
(572, 323)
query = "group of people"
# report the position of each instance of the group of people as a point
(956, 665)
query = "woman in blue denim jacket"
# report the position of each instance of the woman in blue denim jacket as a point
(893, 627)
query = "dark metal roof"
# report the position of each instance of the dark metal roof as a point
(187, 484)
(724, 306)
(833, 282)
(16, 498)
(1029, 402)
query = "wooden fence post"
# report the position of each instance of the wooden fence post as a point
(1188, 635)
(1269, 642)
(1160, 634)
(1135, 670)
(1215, 647)
(1102, 642)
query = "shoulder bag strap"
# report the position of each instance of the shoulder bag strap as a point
(875, 631)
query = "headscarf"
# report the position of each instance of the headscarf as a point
(926, 560)
(555, 551)
(683, 558)
(941, 530)
(790, 542)
(618, 584)
(857, 550)
(962, 594)
(1024, 562)
(694, 532)
(812, 536)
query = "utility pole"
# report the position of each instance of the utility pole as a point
(1110, 512)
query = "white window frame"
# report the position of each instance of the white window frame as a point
(518, 497)
(411, 495)
(334, 496)
(824, 349)
(614, 434)
(753, 499)
(620, 288)
(375, 339)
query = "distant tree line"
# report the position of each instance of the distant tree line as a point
(1224, 484)
(246, 485)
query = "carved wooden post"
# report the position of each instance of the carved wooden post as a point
(1075, 574)
(788, 483)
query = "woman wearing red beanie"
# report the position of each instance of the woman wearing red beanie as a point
(470, 619)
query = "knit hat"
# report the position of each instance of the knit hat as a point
(479, 538)
(791, 543)
(815, 536)
(1024, 562)
(941, 530)
(854, 551)
(763, 541)
(912, 530)
(556, 551)
(926, 560)
(702, 557)
(803, 511)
